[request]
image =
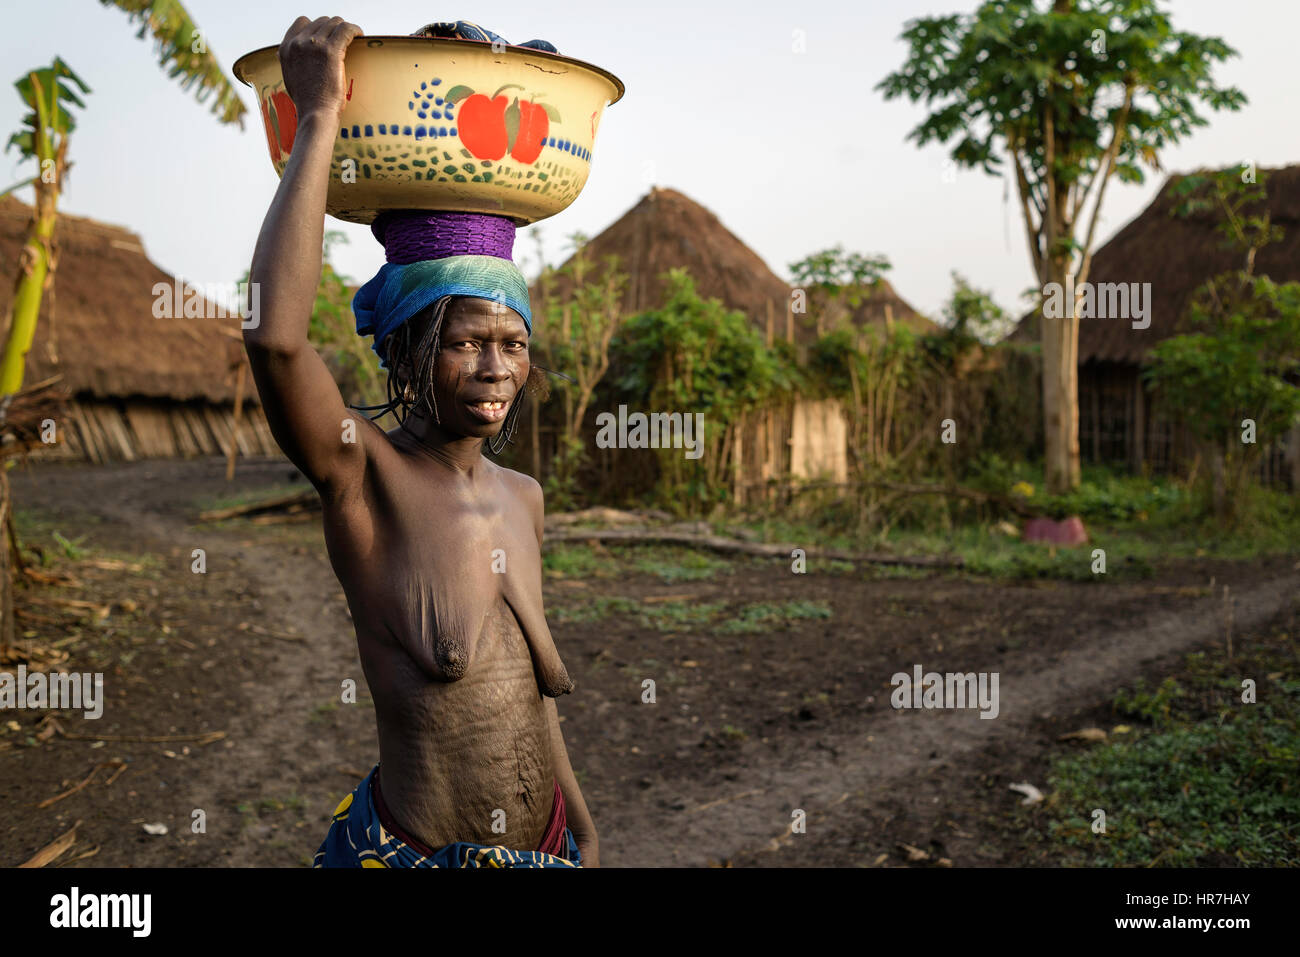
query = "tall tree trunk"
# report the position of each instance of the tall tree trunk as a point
(1218, 482)
(1060, 338)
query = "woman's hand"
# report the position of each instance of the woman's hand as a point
(311, 59)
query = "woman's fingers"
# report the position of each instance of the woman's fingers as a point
(295, 28)
(322, 27)
(345, 32)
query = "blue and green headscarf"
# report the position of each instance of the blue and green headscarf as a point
(400, 291)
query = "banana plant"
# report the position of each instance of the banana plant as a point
(183, 52)
(49, 93)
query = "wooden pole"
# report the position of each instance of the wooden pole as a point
(234, 423)
(6, 573)
(738, 458)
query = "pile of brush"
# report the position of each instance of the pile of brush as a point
(32, 417)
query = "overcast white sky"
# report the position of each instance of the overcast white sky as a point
(793, 152)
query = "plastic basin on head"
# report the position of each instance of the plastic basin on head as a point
(448, 125)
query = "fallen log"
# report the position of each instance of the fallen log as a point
(729, 545)
(1018, 506)
(303, 500)
(606, 515)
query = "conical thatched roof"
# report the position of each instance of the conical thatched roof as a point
(667, 229)
(104, 335)
(1177, 256)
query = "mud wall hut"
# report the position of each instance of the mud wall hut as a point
(141, 386)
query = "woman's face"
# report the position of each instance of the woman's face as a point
(482, 365)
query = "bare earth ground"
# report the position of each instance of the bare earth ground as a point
(746, 728)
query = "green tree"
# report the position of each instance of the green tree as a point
(182, 50)
(1073, 93)
(867, 369)
(831, 279)
(693, 355)
(333, 331)
(970, 315)
(578, 329)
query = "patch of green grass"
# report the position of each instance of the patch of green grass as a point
(766, 616)
(292, 803)
(41, 523)
(1138, 521)
(249, 812)
(319, 712)
(679, 615)
(1006, 558)
(1154, 705)
(594, 610)
(677, 565)
(661, 616)
(889, 572)
(209, 503)
(48, 535)
(71, 549)
(1203, 778)
(570, 561)
(672, 616)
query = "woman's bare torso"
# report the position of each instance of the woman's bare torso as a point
(439, 572)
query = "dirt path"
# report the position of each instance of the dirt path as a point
(287, 734)
(746, 727)
(887, 755)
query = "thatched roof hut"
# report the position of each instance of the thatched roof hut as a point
(1118, 419)
(791, 440)
(141, 386)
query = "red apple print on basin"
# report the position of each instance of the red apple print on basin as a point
(280, 117)
(491, 126)
(482, 124)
